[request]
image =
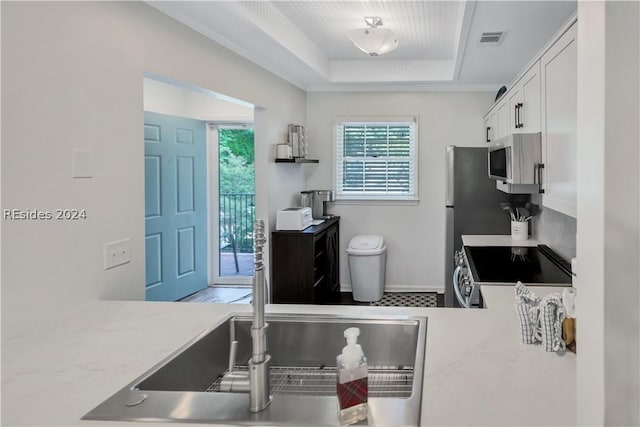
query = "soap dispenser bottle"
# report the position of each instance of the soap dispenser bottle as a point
(352, 384)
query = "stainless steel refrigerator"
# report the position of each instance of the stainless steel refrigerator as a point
(472, 205)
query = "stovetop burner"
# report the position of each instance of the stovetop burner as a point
(504, 264)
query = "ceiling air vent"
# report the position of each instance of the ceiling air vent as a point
(494, 37)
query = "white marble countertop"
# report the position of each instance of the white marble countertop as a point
(477, 370)
(495, 240)
(500, 297)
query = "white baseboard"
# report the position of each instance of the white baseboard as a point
(400, 288)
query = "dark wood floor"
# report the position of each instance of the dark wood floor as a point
(242, 295)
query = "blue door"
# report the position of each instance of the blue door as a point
(175, 206)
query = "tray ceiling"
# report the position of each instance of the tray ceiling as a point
(305, 41)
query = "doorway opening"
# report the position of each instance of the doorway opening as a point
(199, 190)
(236, 204)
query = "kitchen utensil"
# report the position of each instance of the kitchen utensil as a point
(522, 214)
(533, 209)
(509, 210)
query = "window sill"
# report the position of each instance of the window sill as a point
(370, 202)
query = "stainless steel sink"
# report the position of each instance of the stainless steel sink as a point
(303, 349)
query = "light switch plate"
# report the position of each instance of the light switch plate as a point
(117, 253)
(82, 164)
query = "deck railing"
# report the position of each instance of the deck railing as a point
(237, 214)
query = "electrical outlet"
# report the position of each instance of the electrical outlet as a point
(117, 253)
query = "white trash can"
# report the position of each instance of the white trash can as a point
(367, 265)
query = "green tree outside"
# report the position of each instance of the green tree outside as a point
(237, 186)
(237, 172)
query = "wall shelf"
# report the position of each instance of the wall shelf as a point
(297, 160)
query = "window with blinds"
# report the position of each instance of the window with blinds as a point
(376, 161)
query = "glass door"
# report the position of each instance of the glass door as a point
(235, 205)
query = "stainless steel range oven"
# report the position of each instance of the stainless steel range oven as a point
(504, 266)
(466, 291)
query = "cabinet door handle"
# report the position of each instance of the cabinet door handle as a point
(519, 125)
(488, 140)
(515, 115)
(537, 176)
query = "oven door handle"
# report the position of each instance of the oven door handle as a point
(456, 286)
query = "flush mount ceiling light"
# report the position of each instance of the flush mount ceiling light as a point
(373, 40)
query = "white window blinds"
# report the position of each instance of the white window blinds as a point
(376, 160)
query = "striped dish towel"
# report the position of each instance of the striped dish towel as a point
(551, 314)
(526, 304)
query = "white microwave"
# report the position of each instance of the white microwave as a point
(516, 159)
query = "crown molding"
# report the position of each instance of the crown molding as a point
(409, 87)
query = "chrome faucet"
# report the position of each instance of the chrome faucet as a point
(256, 381)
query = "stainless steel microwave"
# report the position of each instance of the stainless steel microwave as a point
(516, 159)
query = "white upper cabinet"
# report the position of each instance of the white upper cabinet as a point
(490, 127)
(559, 123)
(496, 121)
(518, 111)
(524, 103)
(544, 99)
(502, 113)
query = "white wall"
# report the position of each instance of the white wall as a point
(165, 98)
(622, 211)
(72, 77)
(415, 234)
(608, 235)
(555, 229)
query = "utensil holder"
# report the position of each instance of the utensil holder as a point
(519, 230)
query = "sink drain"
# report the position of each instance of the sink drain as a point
(136, 399)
